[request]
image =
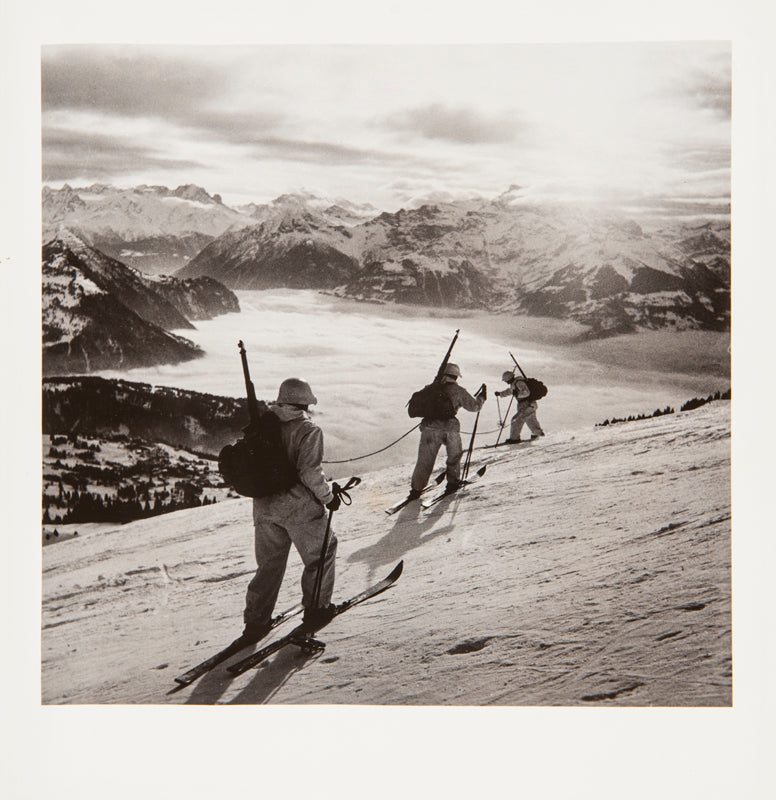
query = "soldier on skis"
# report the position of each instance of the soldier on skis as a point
(296, 515)
(526, 408)
(440, 426)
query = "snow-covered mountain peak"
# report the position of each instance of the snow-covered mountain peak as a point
(72, 240)
(333, 210)
(190, 191)
(67, 239)
(153, 228)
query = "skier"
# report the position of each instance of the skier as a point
(436, 431)
(296, 516)
(526, 408)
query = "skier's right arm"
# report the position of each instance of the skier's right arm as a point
(308, 464)
(466, 401)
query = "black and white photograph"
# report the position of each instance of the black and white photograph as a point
(385, 391)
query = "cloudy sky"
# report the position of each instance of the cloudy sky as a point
(635, 123)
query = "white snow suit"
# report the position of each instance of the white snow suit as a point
(295, 516)
(526, 409)
(436, 432)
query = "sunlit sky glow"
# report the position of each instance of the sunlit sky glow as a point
(636, 124)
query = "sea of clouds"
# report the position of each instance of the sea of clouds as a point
(363, 362)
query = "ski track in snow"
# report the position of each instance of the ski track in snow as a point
(589, 568)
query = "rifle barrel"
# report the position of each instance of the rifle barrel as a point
(253, 410)
(517, 365)
(442, 366)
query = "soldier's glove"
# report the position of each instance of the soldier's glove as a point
(341, 494)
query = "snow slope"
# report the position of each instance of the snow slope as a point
(589, 568)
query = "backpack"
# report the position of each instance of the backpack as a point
(536, 388)
(431, 401)
(257, 464)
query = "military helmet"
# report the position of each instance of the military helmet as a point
(453, 370)
(508, 377)
(295, 391)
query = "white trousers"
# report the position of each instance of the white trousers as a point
(293, 517)
(526, 415)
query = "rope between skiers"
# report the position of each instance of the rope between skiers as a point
(382, 449)
(388, 446)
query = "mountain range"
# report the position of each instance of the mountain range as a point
(612, 272)
(152, 228)
(156, 229)
(98, 313)
(603, 270)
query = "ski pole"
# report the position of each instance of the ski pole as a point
(341, 492)
(465, 470)
(467, 462)
(498, 405)
(506, 417)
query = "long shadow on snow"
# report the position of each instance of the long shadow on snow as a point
(270, 676)
(212, 685)
(413, 528)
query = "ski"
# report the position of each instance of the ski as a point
(446, 493)
(407, 500)
(302, 637)
(238, 644)
(509, 444)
